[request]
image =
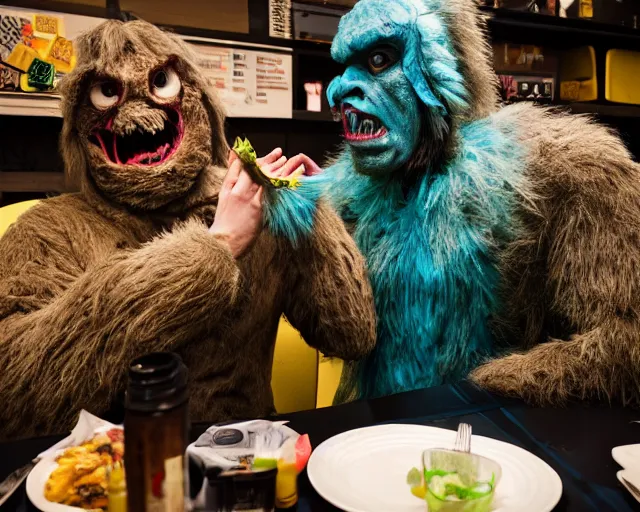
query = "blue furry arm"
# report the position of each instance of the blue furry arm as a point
(340, 181)
(289, 212)
(331, 302)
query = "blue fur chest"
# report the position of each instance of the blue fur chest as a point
(432, 259)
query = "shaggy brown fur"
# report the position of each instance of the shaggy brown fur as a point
(573, 286)
(89, 281)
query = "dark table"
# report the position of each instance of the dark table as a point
(575, 441)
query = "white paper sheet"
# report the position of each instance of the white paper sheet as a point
(88, 425)
(249, 83)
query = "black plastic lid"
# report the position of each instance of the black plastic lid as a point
(157, 382)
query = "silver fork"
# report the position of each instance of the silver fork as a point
(463, 438)
(14, 480)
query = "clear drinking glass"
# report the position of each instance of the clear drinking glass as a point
(459, 481)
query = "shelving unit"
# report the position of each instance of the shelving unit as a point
(517, 26)
(29, 104)
(32, 182)
(306, 115)
(606, 110)
(313, 133)
(504, 25)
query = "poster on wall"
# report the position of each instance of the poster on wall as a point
(249, 83)
(36, 47)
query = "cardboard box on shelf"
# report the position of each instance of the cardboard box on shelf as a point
(526, 88)
(518, 58)
(536, 6)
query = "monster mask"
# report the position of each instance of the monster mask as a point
(404, 87)
(139, 122)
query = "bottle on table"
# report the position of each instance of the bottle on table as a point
(117, 490)
(156, 429)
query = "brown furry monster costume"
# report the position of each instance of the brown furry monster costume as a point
(501, 242)
(89, 281)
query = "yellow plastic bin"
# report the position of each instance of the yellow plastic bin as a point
(577, 74)
(621, 79)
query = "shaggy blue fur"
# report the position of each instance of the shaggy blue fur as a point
(289, 213)
(431, 259)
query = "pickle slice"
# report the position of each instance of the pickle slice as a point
(247, 154)
(416, 483)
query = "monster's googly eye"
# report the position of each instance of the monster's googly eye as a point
(105, 94)
(165, 83)
(382, 58)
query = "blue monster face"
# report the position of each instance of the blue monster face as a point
(379, 110)
(398, 55)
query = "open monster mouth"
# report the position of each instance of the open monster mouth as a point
(145, 148)
(360, 126)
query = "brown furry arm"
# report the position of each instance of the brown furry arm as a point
(600, 364)
(591, 230)
(71, 352)
(332, 303)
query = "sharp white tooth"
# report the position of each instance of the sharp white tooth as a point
(354, 123)
(368, 126)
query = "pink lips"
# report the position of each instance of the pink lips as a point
(141, 148)
(360, 126)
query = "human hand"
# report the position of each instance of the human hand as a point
(287, 167)
(238, 219)
(272, 162)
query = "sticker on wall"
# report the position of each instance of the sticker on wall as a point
(36, 47)
(13, 30)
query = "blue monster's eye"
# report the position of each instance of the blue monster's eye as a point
(381, 58)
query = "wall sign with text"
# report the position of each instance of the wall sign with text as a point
(249, 83)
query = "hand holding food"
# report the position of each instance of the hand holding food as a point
(247, 154)
(238, 219)
(297, 163)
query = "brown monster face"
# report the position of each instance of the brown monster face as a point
(141, 116)
(147, 135)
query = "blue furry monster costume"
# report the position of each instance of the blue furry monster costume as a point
(501, 243)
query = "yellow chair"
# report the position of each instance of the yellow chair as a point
(298, 380)
(329, 372)
(9, 214)
(294, 377)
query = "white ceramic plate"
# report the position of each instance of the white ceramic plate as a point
(365, 470)
(35, 488)
(628, 456)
